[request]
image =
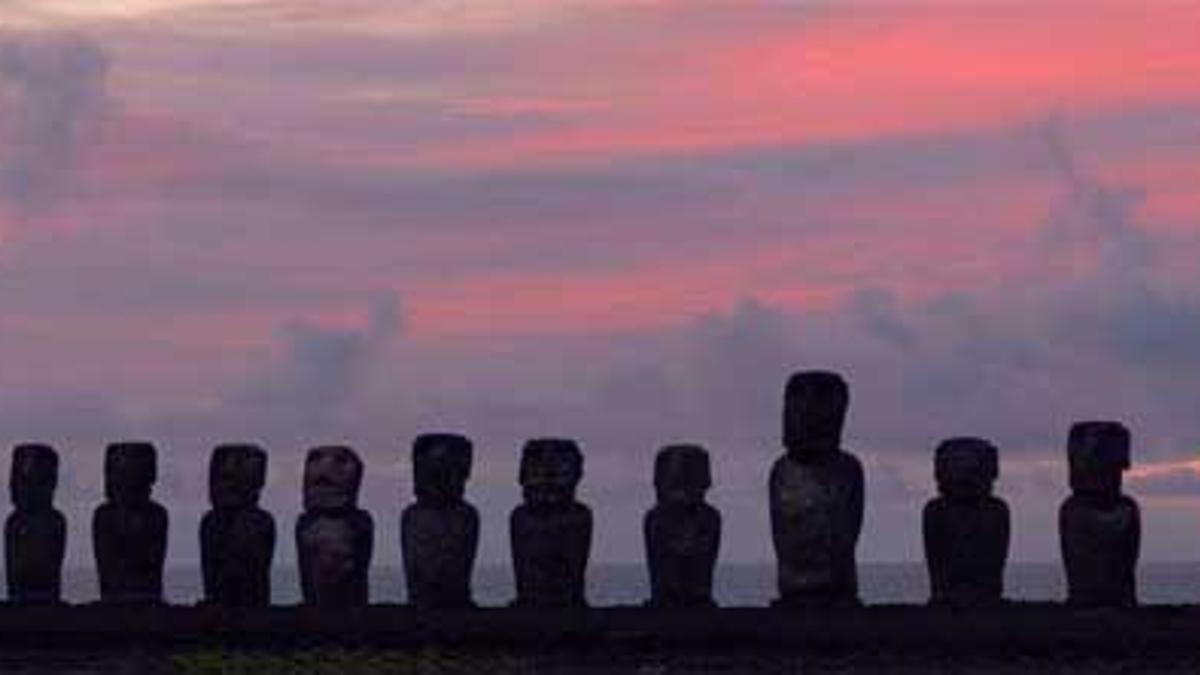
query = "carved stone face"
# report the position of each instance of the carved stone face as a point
(441, 466)
(551, 469)
(332, 477)
(130, 470)
(236, 475)
(966, 468)
(682, 474)
(1098, 453)
(33, 477)
(814, 411)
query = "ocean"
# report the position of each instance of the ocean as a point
(735, 585)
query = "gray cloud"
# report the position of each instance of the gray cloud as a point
(876, 311)
(56, 88)
(306, 392)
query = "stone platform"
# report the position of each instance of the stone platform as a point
(1026, 629)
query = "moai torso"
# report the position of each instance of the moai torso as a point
(129, 530)
(551, 532)
(816, 495)
(334, 538)
(966, 529)
(35, 534)
(440, 532)
(1099, 528)
(682, 532)
(237, 538)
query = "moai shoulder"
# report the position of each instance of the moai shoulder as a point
(440, 532)
(1099, 526)
(966, 529)
(35, 533)
(551, 532)
(682, 532)
(816, 496)
(237, 538)
(334, 538)
(129, 530)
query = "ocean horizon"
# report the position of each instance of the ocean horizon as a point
(747, 585)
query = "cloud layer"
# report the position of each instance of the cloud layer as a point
(54, 86)
(625, 222)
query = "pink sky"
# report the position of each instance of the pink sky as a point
(600, 215)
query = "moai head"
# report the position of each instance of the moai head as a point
(332, 477)
(966, 468)
(814, 410)
(1098, 452)
(682, 474)
(551, 469)
(441, 466)
(236, 475)
(33, 477)
(130, 469)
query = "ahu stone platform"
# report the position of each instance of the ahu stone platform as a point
(1024, 628)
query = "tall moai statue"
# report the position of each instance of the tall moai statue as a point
(440, 533)
(1099, 527)
(551, 531)
(334, 538)
(966, 528)
(682, 531)
(129, 530)
(816, 494)
(35, 534)
(237, 538)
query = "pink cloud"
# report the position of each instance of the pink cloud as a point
(851, 75)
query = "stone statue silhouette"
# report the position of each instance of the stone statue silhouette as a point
(237, 538)
(440, 532)
(129, 530)
(1099, 527)
(551, 532)
(334, 538)
(682, 531)
(966, 529)
(816, 496)
(35, 534)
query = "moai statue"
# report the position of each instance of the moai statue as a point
(682, 532)
(1099, 527)
(334, 538)
(237, 538)
(440, 532)
(551, 532)
(35, 534)
(816, 493)
(966, 528)
(129, 530)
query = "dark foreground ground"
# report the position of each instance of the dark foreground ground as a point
(588, 663)
(383, 639)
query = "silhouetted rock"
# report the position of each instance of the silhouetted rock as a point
(440, 532)
(35, 534)
(129, 530)
(966, 529)
(551, 532)
(237, 538)
(1099, 527)
(682, 532)
(816, 494)
(334, 538)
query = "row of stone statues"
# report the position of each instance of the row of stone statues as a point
(816, 506)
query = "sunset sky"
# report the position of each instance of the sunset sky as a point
(308, 221)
